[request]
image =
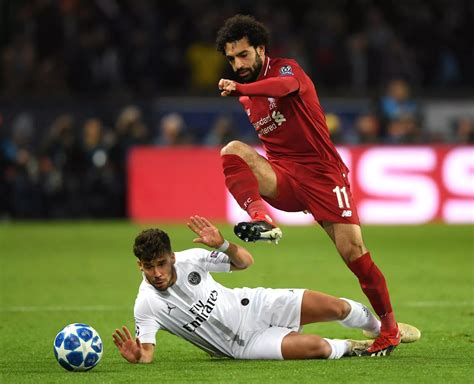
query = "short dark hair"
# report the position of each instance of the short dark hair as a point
(240, 26)
(151, 243)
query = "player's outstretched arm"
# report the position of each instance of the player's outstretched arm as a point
(271, 87)
(131, 349)
(209, 235)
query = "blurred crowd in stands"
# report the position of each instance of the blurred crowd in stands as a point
(71, 167)
(77, 167)
(150, 47)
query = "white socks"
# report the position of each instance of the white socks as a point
(339, 348)
(360, 317)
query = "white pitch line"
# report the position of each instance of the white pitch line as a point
(111, 308)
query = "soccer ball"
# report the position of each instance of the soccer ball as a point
(78, 347)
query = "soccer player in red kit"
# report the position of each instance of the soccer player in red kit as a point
(303, 171)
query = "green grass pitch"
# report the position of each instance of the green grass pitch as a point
(53, 274)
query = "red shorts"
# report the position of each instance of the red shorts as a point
(326, 194)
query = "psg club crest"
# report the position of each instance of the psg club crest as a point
(194, 278)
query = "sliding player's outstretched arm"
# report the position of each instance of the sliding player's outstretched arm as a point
(131, 349)
(209, 235)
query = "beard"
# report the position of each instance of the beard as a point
(163, 284)
(254, 71)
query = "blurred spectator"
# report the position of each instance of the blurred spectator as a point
(100, 188)
(61, 145)
(221, 133)
(128, 117)
(366, 130)
(403, 130)
(130, 130)
(173, 131)
(204, 62)
(397, 108)
(21, 169)
(333, 123)
(464, 131)
(62, 166)
(397, 101)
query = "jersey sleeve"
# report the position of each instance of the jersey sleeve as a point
(146, 325)
(216, 261)
(210, 261)
(271, 87)
(290, 68)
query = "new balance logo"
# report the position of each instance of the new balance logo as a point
(278, 117)
(379, 353)
(346, 213)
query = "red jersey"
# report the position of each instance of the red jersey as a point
(290, 125)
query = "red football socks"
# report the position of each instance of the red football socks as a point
(374, 286)
(243, 185)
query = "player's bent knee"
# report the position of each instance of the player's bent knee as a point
(351, 251)
(235, 147)
(324, 350)
(297, 346)
(319, 349)
(341, 309)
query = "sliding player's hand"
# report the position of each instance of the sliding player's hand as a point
(208, 234)
(130, 349)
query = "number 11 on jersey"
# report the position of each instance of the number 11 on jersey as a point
(339, 193)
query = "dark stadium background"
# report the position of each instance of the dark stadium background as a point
(83, 82)
(110, 122)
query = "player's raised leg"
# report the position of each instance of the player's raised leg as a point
(248, 177)
(319, 307)
(349, 243)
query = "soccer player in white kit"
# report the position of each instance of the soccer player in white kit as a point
(179, 295)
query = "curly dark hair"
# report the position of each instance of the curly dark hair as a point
(240, 26)
(151, 243)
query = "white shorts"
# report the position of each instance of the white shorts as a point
(271, 315)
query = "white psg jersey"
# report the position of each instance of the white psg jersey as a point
(196, 307)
